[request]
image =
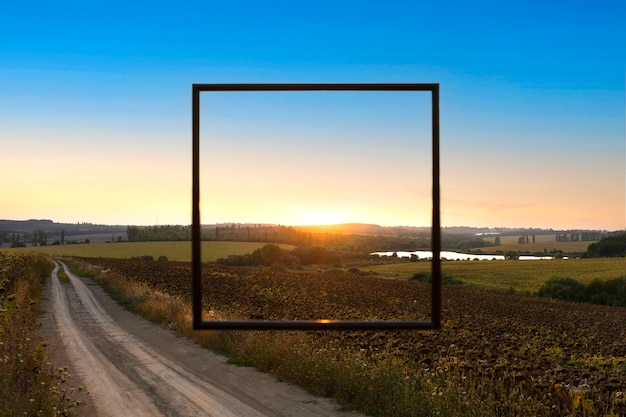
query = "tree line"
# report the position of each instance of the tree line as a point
(158, 233)
(279, 234)
(610, 246)
(585, 236)
(613, 245)
(272, 254)
(38, 238)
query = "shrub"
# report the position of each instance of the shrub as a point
(563, 288)
(511, 254)
(145, 257)
(236, 260)
(268, 255)
(423, 276)
(610, 292)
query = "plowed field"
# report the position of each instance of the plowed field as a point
(569, 357)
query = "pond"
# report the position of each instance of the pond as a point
(457, 256)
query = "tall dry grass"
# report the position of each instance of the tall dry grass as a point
(29, 386)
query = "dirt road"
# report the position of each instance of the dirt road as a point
(134, 367)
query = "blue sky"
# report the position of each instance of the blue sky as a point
(95, 103)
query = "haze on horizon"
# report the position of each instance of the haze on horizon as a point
(95, 113)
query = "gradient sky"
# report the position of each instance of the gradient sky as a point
(95, 112)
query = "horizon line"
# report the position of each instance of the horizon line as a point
(320, 225)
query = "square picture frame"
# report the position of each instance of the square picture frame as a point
(319, 324)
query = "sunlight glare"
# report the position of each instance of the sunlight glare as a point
(319, 217)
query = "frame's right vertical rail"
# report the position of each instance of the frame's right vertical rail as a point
(196, 229)
(436, 220)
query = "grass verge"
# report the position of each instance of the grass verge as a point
(29, 385)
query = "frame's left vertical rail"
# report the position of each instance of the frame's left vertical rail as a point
(436, 216)
(196, 237)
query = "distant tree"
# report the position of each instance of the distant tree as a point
(62, 237)
(15, 241)
(133, 233)
(497, 241)
(562, 237)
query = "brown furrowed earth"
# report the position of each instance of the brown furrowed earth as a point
(501, 348)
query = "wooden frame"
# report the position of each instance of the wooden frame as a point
(199, 323)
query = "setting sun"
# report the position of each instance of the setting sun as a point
(319, 217)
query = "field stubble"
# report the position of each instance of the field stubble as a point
(498, 353)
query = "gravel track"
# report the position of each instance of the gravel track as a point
(134, 367)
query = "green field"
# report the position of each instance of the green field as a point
(175, 251)
(522, 276)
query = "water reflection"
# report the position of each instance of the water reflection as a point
(456, 256)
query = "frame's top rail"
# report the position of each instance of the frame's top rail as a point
(317, 87)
